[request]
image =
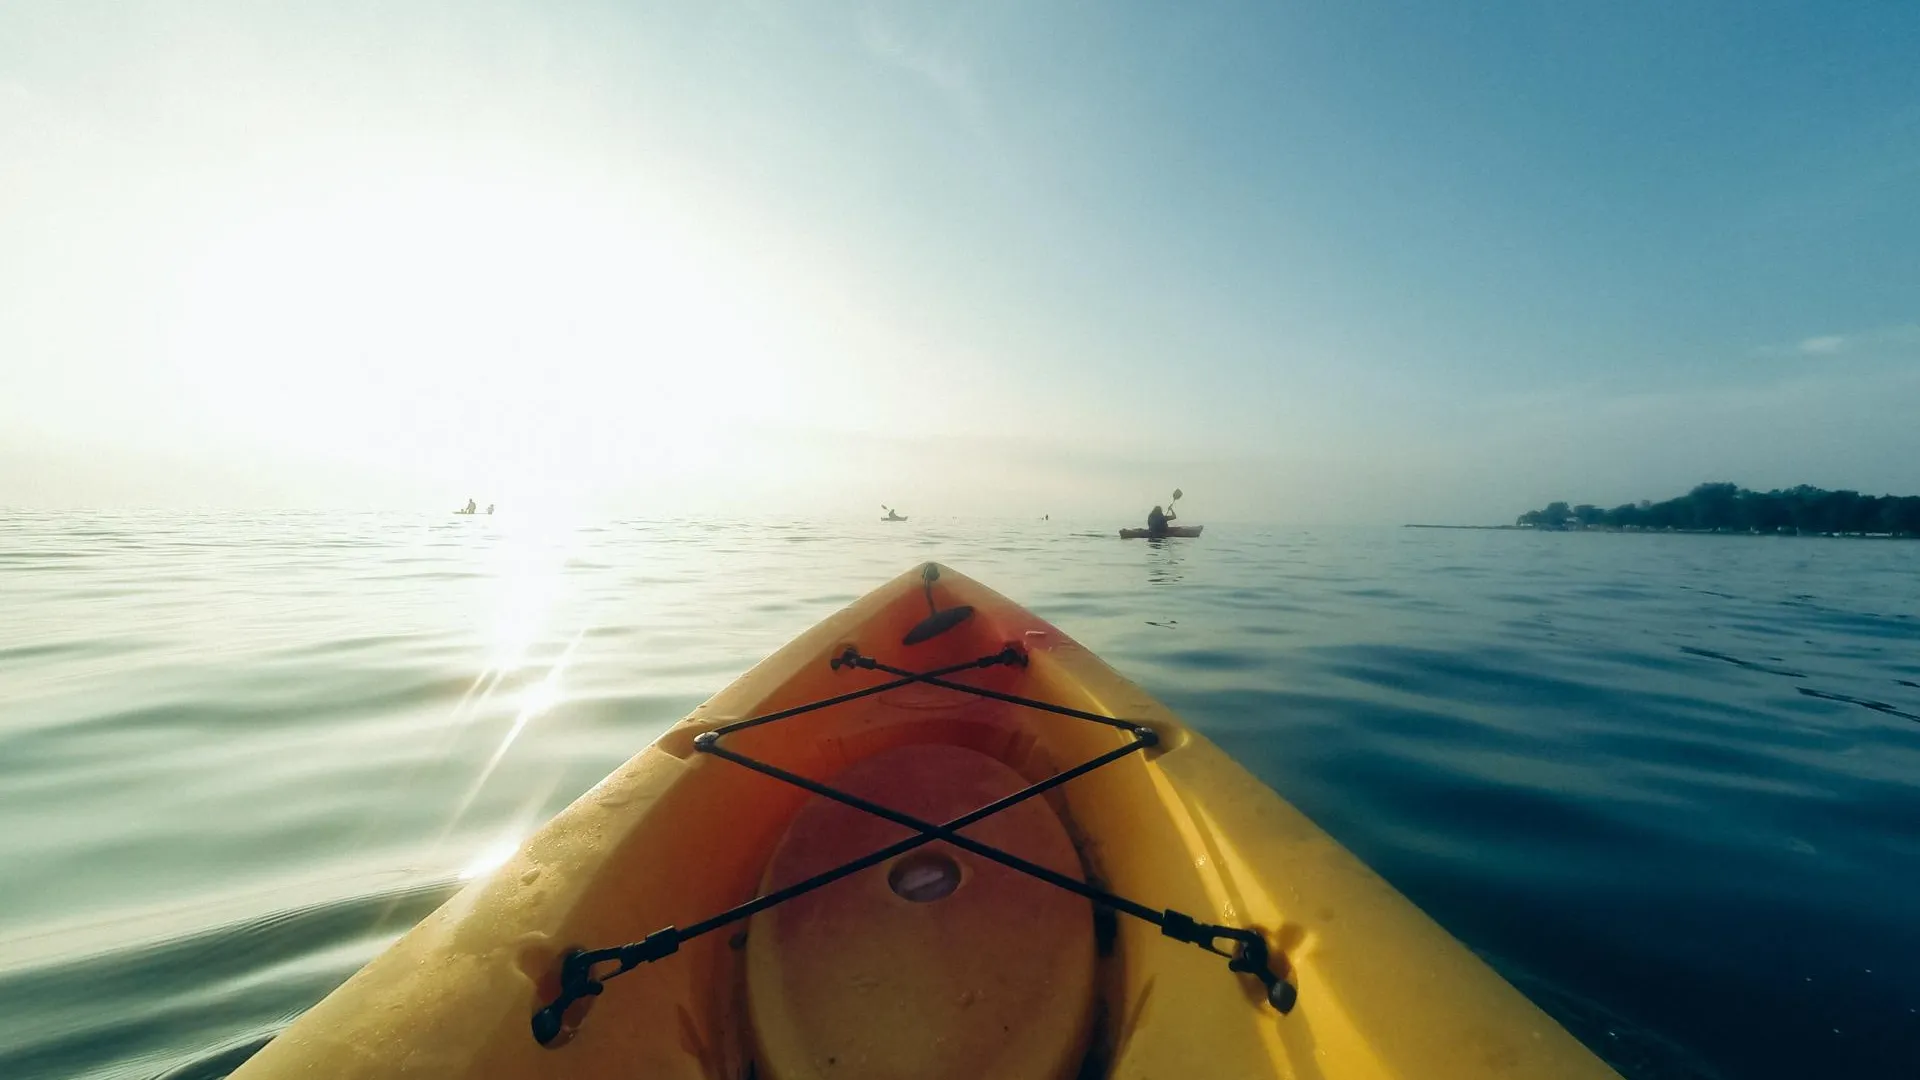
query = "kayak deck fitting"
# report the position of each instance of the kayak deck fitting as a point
(969, 868)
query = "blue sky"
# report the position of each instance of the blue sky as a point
(1313, 263)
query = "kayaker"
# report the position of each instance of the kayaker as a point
(1157, 522)
(470, 507)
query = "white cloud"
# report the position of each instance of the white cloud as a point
(1900, 337)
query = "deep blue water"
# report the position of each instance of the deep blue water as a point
(1669, 785)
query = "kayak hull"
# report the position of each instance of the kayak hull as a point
(676, 835)
(1172, 531)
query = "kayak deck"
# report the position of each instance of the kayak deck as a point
(1172, 531)
(882, 972)
(857, 973)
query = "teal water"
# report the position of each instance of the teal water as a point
(1669, 785)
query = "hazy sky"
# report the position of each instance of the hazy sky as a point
(1312, 262)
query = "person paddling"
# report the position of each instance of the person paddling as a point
(1157, 519)
(1157, 522)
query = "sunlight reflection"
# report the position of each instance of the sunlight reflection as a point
(541, 696)
(535, 701)
(528, 558)
(538, 698)
(531, 564)
(491, 858)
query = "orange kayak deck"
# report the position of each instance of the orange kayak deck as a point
(852, 979)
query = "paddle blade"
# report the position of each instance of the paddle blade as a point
(1176, 495)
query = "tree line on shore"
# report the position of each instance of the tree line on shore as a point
(1723, 507)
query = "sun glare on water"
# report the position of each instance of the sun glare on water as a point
(490, 858)
(541, 696)
(529, 565)
(532, 638)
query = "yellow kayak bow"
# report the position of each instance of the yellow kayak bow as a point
(841, 866)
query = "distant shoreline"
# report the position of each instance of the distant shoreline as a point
(1722, 507)
(1671, 532)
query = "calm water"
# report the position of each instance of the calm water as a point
(1668, 785)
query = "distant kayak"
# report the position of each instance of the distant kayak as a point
(1172, 530)
(902, 517)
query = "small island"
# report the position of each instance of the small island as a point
(1730, 508)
